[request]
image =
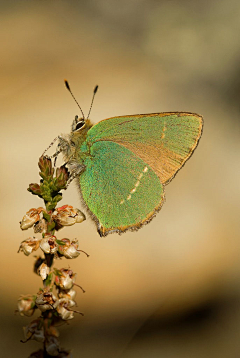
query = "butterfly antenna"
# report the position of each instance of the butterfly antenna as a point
(68, 87)
(94, 92)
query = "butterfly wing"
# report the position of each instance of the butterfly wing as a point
(128, 160)
(165, 141)
(120, 190)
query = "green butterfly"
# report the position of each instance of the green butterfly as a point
(122, 164)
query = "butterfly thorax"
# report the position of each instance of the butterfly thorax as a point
(70, 144)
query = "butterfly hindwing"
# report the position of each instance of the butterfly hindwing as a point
(120, 190)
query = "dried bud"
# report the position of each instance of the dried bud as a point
(35, 331)
(68, 249)
(69, 294)
(52, 346)
(67, 216)
(65, 279)
(49, 244)
(43, 271)
(31, 217)
(29, 245)
(40, 226)
(62, 176)
(26, 305)
(45, 165)
(63, 308)
(45, 300)
(35, 189)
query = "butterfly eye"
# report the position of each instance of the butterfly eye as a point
(79, 125)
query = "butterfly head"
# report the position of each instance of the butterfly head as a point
(80, 125)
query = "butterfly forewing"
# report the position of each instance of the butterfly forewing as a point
(164, 141)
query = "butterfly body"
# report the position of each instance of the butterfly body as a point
(123, 163)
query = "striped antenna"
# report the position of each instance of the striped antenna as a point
(68, 87)
(94, 92)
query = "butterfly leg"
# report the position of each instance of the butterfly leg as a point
(63, 146)
(72, 176)
(50, 145)
(75, 169)
(55, 155)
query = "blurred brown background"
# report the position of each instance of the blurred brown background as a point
(171, 289)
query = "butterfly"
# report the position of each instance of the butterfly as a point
(122, 164)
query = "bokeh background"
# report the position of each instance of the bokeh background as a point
(172, 288)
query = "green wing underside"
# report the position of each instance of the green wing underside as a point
(164, 141)
(128, 160)
(121, 191)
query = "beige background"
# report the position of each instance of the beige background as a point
(171, 289)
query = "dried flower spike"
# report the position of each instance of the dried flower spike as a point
(54, 308)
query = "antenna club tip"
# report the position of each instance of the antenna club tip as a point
(95, 89)
(67, 84)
